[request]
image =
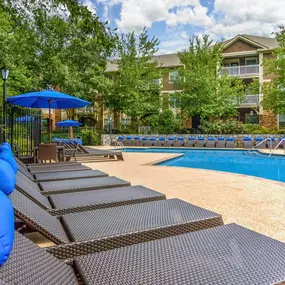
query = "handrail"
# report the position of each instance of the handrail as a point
(276, 147)
(262, 143)
(119, 144)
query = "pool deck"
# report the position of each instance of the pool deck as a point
(255, 203)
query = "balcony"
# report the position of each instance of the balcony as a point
(242, 71)
(250, 100)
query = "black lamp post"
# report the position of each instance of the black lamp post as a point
(5, 74)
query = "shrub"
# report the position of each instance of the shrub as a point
(90, 137)
(221, 127)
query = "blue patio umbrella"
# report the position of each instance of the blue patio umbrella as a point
(68, 123)
(50, 99)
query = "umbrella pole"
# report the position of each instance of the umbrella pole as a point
(49, 122)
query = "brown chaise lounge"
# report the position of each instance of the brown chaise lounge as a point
(91, 200)
(228, 254)
(98, 230)
(75, 185)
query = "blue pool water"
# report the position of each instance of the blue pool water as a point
(238, 161)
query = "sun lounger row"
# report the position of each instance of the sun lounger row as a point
(200, 141)
(115, 233)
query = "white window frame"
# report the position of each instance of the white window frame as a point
(250, 58)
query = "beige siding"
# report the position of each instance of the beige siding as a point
(239, 46)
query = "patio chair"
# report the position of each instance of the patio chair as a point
(128, 141)
(150, 142)
(190, 142)
(214, 248)
(247, 142)
(70, 153)
(26, 156)
(170, 141)
(61, 204)
(103, 229)
(221, 142)
(47, 152)
(211, 142)
(136, 140)
(230, 142)
(121, 139)
(63, 175)
(200, 142)
(161, 141)
(76, 185)
(142, 141)
(179, 142)
(272, 142)
(259, 144)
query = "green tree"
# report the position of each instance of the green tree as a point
(206, 93)
(274, 91)
(135, 91)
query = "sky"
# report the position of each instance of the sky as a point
(172, 21)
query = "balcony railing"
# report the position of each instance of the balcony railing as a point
(243, 71)
(250, 100)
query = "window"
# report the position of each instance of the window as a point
(173, 76)
(251, 61)
(281, 120)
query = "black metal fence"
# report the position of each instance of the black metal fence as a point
(23, 127)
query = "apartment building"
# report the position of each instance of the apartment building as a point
(243, 56)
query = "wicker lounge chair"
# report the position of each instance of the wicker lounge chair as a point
(230, 143)
(247, 142)
(150, 142)
(259, 144)
(179, 142)
(137, 140)
(221, 142)
(76, 202)
(128, 141)
(103, 229)
(142, 141)
(170, 141)
(160, 142)
(228, 254)
(190, 142)
(200, 142)
(211, 142)
(64, 175)
(76, 185)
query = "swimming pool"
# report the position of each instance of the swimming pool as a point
(251, 163)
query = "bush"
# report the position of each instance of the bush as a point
(221, 127)
(90, 137)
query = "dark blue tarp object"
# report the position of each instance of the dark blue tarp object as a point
(24, 119)
(68, 123)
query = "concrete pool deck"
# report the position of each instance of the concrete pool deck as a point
(255, 203)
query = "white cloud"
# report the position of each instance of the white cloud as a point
(106, 13)
(90, 5)
(184, 35)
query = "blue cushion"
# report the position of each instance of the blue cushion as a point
(191, 138)
(129, 137)
(6, 227)
(121, 137)
(7, 155)
(258, 139)
(171, 138)
(8, 177)
(161, 139)
(201, 138)
(152, 139)
(247, 139)
(211, 139)
(144, 139)
(180, 138)
(230, 139)
(221, 138)
(136, 137)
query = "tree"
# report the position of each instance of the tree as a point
(274, 91)
(135, 91)
(206, 93)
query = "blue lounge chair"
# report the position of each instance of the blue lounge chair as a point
(179, 142)
(143, 141)
(136, 140)
(190, 141)
(200, 142)
(121, 139)
(160, 142)
(170, 141)
(211, 142)
(247, 142)
(221, 142)
(150, 142)
(128, 141)
(258, 143)
(230, 142)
